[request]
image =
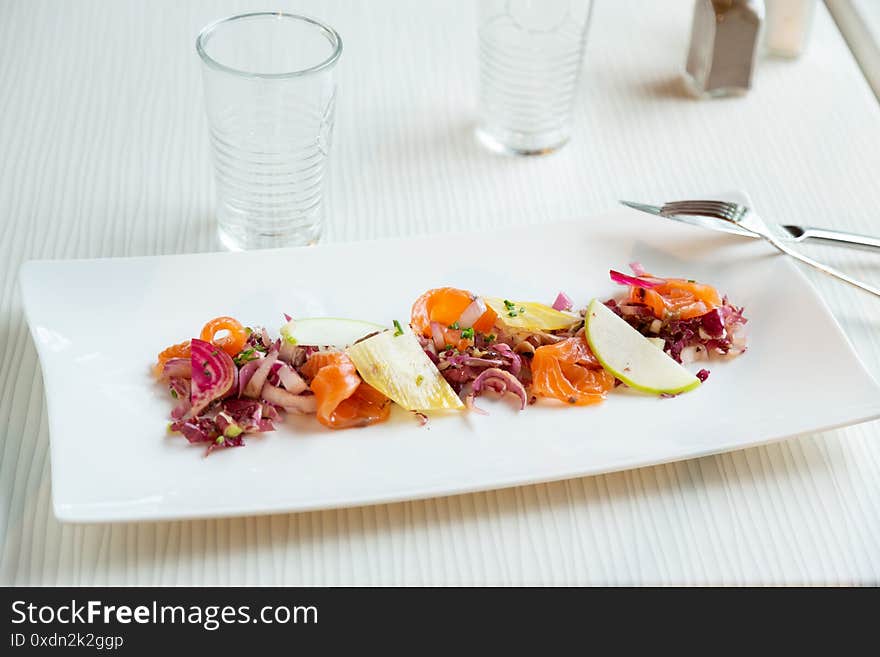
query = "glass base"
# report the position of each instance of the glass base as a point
(238, 239)
(519, 144)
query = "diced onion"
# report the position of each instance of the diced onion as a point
(472, 313)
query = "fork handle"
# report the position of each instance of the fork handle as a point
(846, 278)
(839, 236)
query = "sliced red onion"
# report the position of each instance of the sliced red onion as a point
(472, 313)
(177, 367)
(702, 375)
(637, 269)
(288, 318)
(626, 279)
(563, 302)
(501, 382)
(255, 385)
(473, 361)
(507, 352)
(302, 404)
(471, 406)
(213, 374)
(291, 381)
(437, 334)
(246, 372)
(287, 352)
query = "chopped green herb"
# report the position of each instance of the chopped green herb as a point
(522, 310)
(205, 364)
(290, 339)
(245, 357)
(468, 334)
(207, 373)
(174, 394)
(397, 329)
(219, 440)
(509, 304)
(454, 326)
(491, 337)
(248, 330)
(419, 380)
(215, 352)
(691, 280)
(449, 347)
(260, 348)
(512, 313)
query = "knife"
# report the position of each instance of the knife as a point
(788, 232)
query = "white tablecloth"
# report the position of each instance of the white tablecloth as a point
(103, 152)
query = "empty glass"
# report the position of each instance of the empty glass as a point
(530, 62)
(270, 94)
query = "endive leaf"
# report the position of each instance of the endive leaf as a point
(530, 315)
(394, 363)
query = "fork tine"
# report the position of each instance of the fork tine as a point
(702, 201)
(719, 206)
(718, 209)
(711, 211)
(691, 208)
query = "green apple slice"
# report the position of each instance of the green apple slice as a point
(327, 331)
(631, 357)
(660, 343)
(394, 363)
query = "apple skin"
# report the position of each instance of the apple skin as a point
(598, 311)
(328, 329)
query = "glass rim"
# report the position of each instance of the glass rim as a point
(331, 34)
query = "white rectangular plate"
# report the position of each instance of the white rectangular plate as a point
(98, 325)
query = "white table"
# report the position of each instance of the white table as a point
(103, 153)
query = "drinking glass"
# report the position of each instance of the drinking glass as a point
(270, 95)
(530, 62)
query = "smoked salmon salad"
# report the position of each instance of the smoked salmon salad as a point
(456, 346)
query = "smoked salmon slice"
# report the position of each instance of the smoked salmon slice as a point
(677, 298)
(344, 400)
(568, 371)
(443, 306)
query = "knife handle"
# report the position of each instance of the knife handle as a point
(841, 237)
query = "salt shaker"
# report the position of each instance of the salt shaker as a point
(788, 25)
(724, 44)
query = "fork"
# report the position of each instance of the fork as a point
(743, 217)
(790, 233)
